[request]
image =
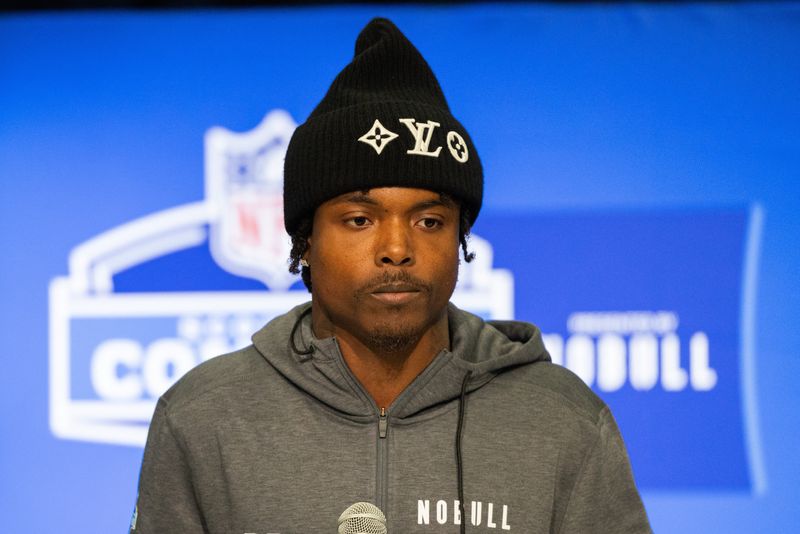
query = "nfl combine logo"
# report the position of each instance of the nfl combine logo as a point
(113, 352)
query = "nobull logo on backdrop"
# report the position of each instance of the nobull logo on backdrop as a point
(640, 349)
(146, 301)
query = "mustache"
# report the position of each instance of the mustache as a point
(397, 278)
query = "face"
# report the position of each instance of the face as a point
(384, 264)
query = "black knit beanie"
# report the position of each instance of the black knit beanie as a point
(384, 122)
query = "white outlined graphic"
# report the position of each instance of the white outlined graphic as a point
(378, 136)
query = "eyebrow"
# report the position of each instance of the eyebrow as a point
(361, 198)
(364, 198)
(425, 204)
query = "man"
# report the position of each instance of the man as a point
(379, 390)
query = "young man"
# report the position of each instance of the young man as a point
(379, 390)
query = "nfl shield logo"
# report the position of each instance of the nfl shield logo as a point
(244, 188)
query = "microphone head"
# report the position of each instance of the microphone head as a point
(362, 518)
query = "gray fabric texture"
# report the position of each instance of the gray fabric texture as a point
(264, 440)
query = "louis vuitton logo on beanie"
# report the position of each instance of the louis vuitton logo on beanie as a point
(422, 137)
(379, 136)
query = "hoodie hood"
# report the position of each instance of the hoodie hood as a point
(484, 348)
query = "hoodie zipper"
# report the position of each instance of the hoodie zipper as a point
(382, 464)
(382, 424)
(381, 448)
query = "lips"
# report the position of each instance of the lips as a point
(396, 294)
(396, 288)
(396, 299)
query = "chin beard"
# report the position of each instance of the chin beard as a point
(393, 338)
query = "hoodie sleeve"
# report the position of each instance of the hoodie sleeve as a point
(166, 500)
(605, 498)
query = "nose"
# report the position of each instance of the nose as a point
(394, 245)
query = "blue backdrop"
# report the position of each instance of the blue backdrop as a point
(642, 206)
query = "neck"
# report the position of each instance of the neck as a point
(384, 372)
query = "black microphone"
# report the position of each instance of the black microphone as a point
(362, 518)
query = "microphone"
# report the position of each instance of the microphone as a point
(362, 518)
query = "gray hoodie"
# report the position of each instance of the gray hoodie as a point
(267, 440)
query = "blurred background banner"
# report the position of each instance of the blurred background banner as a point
(642, 207)
(646, 307)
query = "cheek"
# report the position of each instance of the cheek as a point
(444, 263)
(336, 264)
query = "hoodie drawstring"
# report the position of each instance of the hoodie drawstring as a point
(295, 348)
(462, 402)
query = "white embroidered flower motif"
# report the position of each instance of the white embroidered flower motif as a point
(378, 136)
(458, 147)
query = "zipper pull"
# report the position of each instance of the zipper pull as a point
(382, 424)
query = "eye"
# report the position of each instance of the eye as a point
(430, 223)
(359, 221)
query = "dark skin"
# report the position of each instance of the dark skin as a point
(384, 265)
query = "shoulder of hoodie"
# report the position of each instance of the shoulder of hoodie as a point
(214, 377)
(562, 385)
(540, 375)
(559, 383)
